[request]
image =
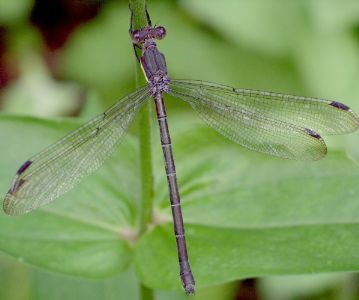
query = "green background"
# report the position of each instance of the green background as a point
(294, 225)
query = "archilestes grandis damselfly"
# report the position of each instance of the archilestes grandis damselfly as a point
(281, 125)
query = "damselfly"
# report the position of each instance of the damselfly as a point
(280, 125)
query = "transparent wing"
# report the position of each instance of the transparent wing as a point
(325, 117)
(280, 125)
(59, 167)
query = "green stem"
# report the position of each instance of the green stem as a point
(139, 20)
(146, 166)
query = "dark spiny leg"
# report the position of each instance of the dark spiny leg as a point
(131, 19)
(131, 32)
(148, 16)
(134, 49)
(149, 22)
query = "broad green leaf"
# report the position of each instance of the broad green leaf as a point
(251, 215)
(88, 232)
(246, 214)
(43, 285)
(224, 254)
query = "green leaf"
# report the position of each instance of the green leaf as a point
(246, 214)
(224, 254)
(42, 285)
(53, 286)
(88, 232)
(251, 215)
(11, 275)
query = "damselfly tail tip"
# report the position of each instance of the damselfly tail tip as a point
(189, 288)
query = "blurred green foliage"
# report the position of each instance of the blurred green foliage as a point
(246, 214)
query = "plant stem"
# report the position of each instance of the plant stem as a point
(139, 20)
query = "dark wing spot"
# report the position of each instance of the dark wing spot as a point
(24, 167)
(339, 105)
(97, 130)
(312, 133)
(16, 186)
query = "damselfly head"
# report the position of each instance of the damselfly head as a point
(140, 36)
(159, 32)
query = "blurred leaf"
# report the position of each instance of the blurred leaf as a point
(219, 292)
(99, 54)
(246, 214)
(330, 67)
(42, 285)
(332, 16)
(35, 92)
(13, 11)
(92, 105)
(258, 24)
(305, 286)
(195, 53)
(12, 276)
(269, 216)
(39, 284)
(323, 54)
(50, 286)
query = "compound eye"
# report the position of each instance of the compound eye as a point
(160, 32)
(136, 37)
